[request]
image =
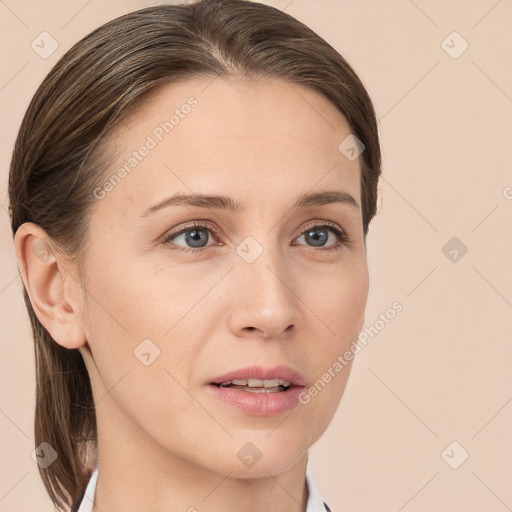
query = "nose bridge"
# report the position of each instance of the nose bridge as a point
(265, 299)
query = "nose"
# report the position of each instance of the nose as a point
(264, 303)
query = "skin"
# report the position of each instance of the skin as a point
(164, 442)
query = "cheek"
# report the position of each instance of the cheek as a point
(129, 303)
(145, 381)
(135, 328)
(338, 300)
(339, 306)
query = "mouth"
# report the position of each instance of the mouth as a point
(256, 385)
(259, 391)
(259, 379)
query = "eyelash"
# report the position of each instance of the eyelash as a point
(344, 240)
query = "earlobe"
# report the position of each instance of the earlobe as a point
(51, 289)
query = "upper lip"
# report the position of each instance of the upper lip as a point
(263, 373)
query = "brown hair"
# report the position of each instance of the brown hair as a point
(56, 162)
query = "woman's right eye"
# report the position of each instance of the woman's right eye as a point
(196, 234)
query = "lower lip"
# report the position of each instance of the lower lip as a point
(259, 404)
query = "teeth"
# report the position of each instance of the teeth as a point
(257, 383)
(262, 390)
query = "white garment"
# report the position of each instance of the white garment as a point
(315, 501)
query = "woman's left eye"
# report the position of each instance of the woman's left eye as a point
(198, 235)
(319, 234)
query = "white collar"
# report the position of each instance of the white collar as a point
(88, 499)
(315, 500)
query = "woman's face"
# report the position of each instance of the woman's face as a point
(173, 307)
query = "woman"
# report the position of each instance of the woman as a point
(190, 194)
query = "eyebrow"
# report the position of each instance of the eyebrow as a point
(228, 203)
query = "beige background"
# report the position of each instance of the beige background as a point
(440, 371)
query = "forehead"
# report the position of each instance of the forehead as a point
(247, 139)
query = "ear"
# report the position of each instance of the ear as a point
(53, 290)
